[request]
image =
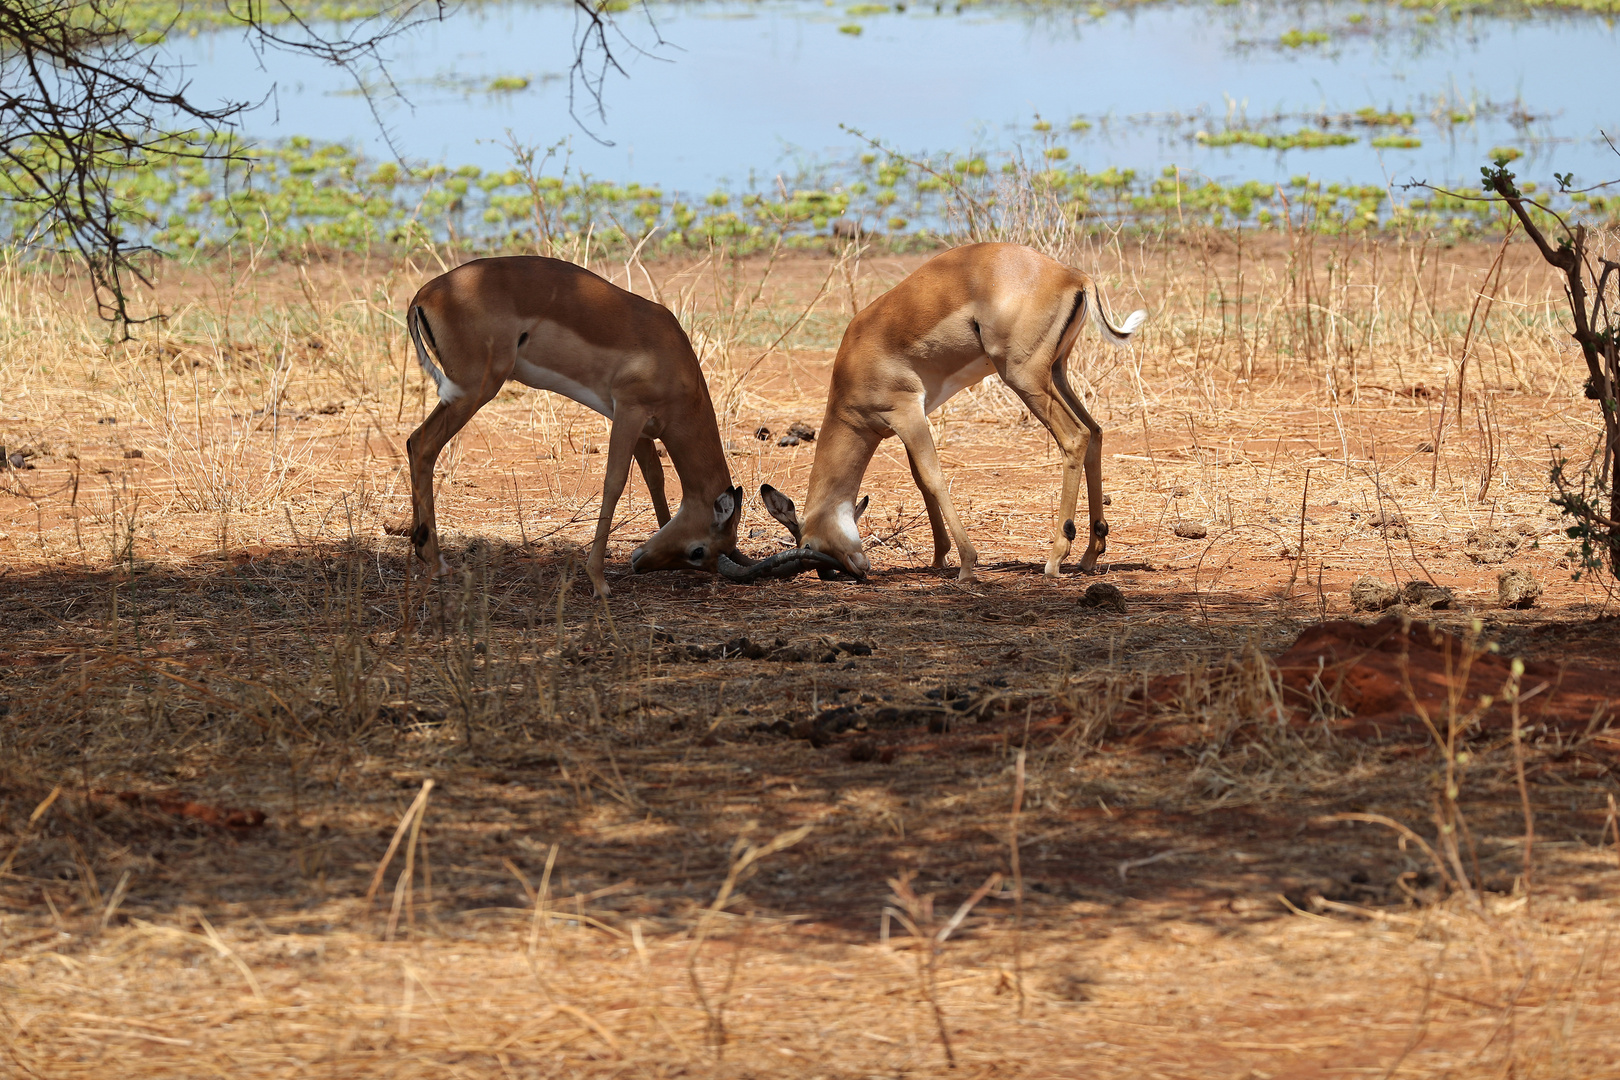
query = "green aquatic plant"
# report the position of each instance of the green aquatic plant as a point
(1370, 117)
(1296, 39)
(507, 84)
(151, 21)
(853, 29)
(302, 195)
(867, 9)
(1397, 142)
(1303, 139)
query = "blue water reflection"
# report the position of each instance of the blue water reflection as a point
(743, 92)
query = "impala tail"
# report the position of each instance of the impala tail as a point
(416, 322)
(1117, 336)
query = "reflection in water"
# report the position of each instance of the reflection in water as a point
(744, 92)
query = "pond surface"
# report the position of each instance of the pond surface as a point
(740, 93)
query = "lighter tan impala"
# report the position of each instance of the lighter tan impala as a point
(556, 326)
(968, 312)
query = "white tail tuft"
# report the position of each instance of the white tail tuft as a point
(1117, 336)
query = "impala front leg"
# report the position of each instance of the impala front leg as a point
(652, 471)
(936, 524)
(627, 425)
(911, 424)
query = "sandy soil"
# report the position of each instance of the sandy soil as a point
(224, 685)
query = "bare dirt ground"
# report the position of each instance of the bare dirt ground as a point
(653, 848)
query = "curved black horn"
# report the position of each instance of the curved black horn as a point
(784, 564)
(736, 571)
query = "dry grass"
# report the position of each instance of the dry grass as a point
(223, 617)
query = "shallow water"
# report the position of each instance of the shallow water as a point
(743, 92)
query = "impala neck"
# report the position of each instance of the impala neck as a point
(693, 441)
(842, 454)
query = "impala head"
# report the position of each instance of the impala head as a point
(831, 532)
(693, 540)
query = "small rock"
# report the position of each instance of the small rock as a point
(1517, 588)
(802, 431)
(787, 440)
(1421, 594)
(1391, 523)
(108, 420)
(763, 434)
(1189, 530)
(1107, 597)
(134, 454)
(1108, 500)
(1491, 546)
(1371, 594)
(864, 750)
(856, 648)
(1425, 448)
(744, 648)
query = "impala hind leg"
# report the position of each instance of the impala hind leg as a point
(652, 471)
(1097, 535)
(936, 523)
(1081, 446)
(622, 440)
(912, 427)
(423, 448)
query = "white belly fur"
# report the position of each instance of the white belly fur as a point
(956, 382)
(550, 339)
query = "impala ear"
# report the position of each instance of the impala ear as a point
(860, 507)
(780, 507)
(726, 507)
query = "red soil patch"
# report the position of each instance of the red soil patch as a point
(1387, 674)
(1364, 681)
(1380, 682)
(221, 817)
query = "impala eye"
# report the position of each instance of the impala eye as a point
(697, 553)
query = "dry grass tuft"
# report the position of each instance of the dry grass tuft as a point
(514, 831)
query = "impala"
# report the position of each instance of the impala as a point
(965, 313)
(556, 326)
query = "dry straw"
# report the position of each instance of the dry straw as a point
(225, 616)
